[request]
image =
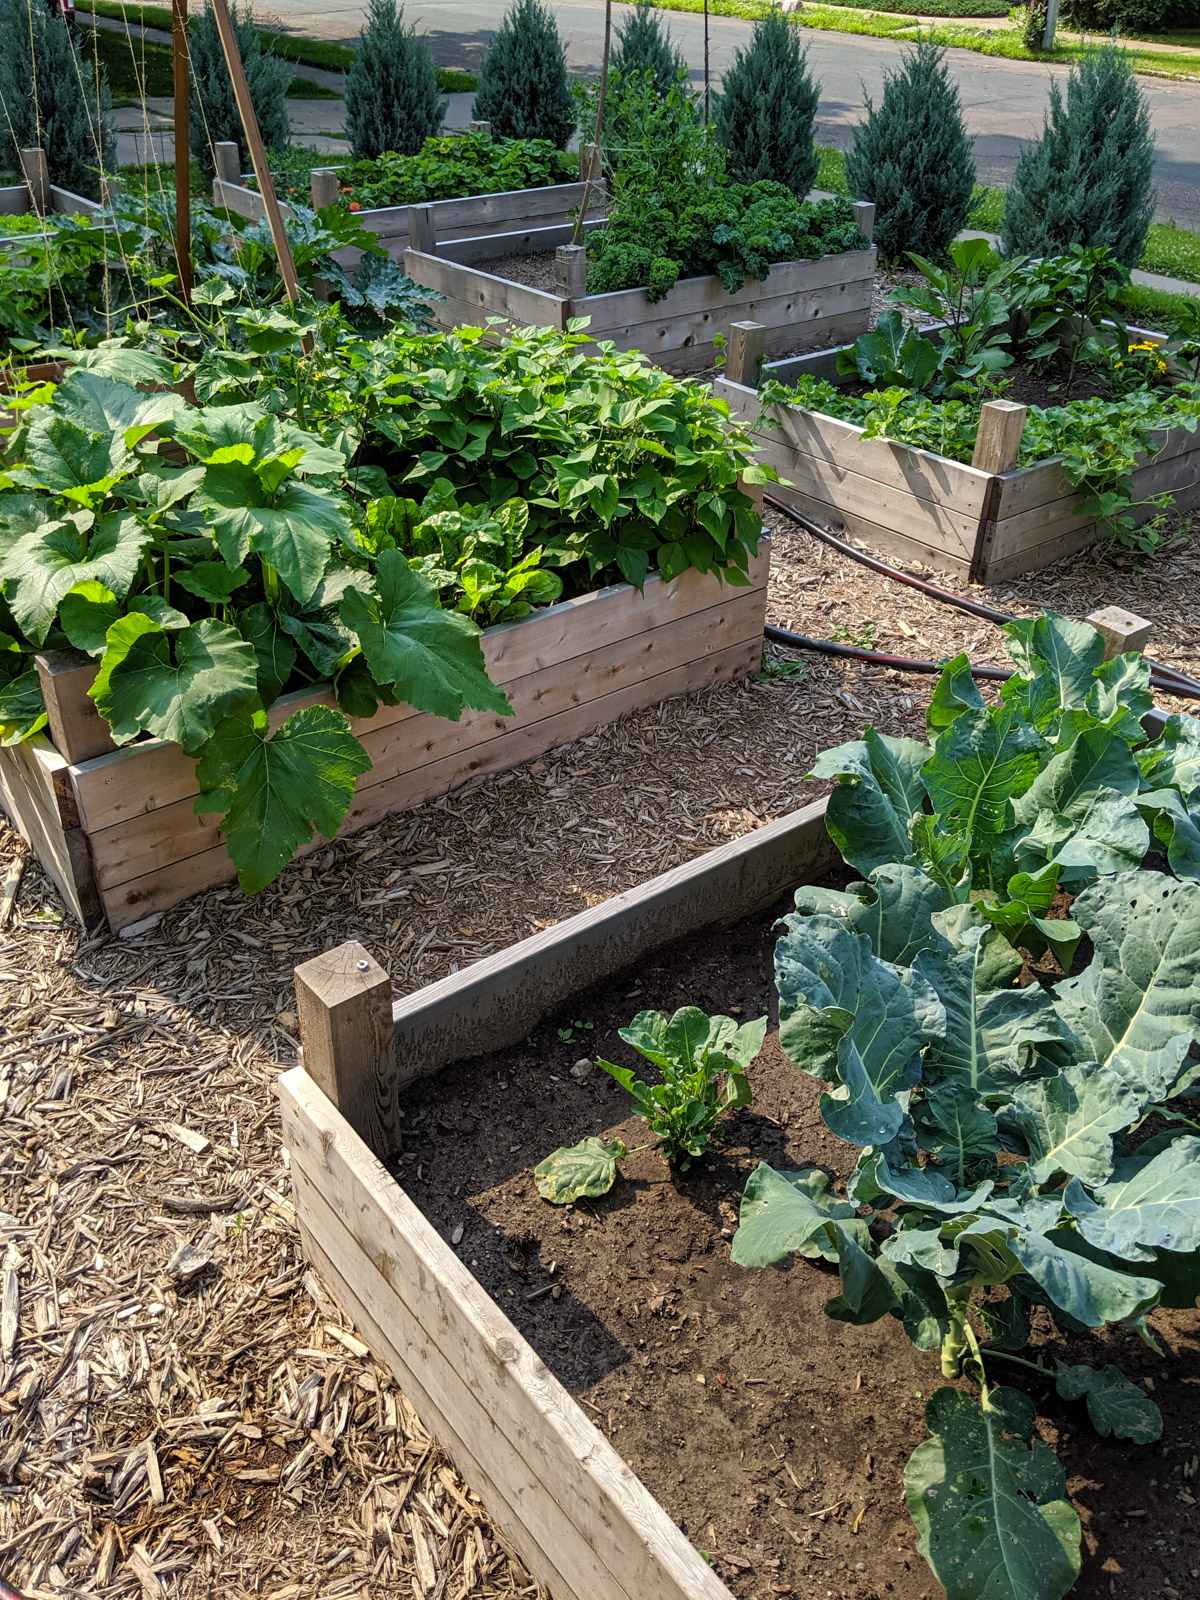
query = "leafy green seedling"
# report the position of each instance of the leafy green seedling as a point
(703, 1063)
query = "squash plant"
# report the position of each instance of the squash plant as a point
(1021, 1146)
(298, 528)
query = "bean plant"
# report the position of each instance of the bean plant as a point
(1023, 1144)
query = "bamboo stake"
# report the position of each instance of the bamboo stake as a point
(183, 164)
(258, 154)
(596, 158)
(706, 63)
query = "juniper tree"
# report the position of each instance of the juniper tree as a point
(764, 117)
(644, 45)
(523, 90)
(1088, 178)
(392, 96)
(912, 157)
(53, 99)
(212, 111)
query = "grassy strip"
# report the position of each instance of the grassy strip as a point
(1005, 42)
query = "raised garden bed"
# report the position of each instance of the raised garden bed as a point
(510, 211)
(986, 522)
(701, 1377)
(566, 669)
(798, 303)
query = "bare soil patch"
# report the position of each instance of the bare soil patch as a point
(774, 1435)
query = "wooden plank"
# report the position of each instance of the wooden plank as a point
(1031, 487)
(344, 1003)
(27, 793)
(168, 885)
(236, 197)
(486, 294)
(708, 293)
(512, 208)
(529, 241)
(143, 777)
(355, 1280)
(499, 1000)
(484, 1376)
(908, 546)
(820, 442)
(15, 200)
(401, 751)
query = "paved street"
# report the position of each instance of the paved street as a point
(1003, 100)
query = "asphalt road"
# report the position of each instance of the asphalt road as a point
(1003, 101)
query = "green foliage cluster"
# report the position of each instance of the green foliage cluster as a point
(765, 113)
(644, 45)
(352, 512)
(1058, 315)
(702, 1063)
(52, 98)
(912, 157)
(212, 111)
(937, 8)
(459, 164)
(1003, 1129)
(392, 99)
(1088, 179)
(737, 231)
(1133, 17)
(523, 90)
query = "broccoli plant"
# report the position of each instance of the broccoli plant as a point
(1006, 1162)
(703, 1063)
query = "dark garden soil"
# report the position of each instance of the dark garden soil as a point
(537, 270)
(774, 1435)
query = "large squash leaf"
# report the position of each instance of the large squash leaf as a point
(991, 1510)
(432, 657)
(276, 790)
(48, 561)
(176, 684)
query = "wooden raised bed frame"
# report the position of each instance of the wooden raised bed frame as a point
(580, 1518)
(984, 523)
(115, 828)
(512, 211)
(798, 303)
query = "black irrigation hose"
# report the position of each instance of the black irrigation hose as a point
(1164, 677)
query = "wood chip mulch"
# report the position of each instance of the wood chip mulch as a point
(183, 1409)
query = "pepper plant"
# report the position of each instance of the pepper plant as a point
(1022, 1146)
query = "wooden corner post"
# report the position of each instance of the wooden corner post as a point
(998, 442)
(323, 187)
(1121, 630)
(745, 352)
(570, 271)
(344, 1003)
(864, 215)
(37, 176)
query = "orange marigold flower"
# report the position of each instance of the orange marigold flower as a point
(354, 206)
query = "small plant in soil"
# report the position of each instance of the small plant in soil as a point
(1025, 1143)
(703, 1063)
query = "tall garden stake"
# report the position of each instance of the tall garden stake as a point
(258, 155)
(183, 165)
(705, 63)
(587, 182)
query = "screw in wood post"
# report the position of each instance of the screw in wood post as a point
(864, 214)
(323, 186)
(1121, 630)
(344, 1004)
(77, 730)
(37, 176)
(745, 352)
(998, 442)
(421, 235)
(570, 271)
(228, 162)
(485, 128)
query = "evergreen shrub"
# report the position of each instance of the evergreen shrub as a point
(523, 90)
(212, 112)
(1088, 178)
(764, 117)
(644, 45)
(912, 157)
(392, 96)
(52, 98)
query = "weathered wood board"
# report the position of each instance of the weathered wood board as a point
(566, 670)
(799, 303)
(579, 1517)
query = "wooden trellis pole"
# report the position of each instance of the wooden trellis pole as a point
(183, 163)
